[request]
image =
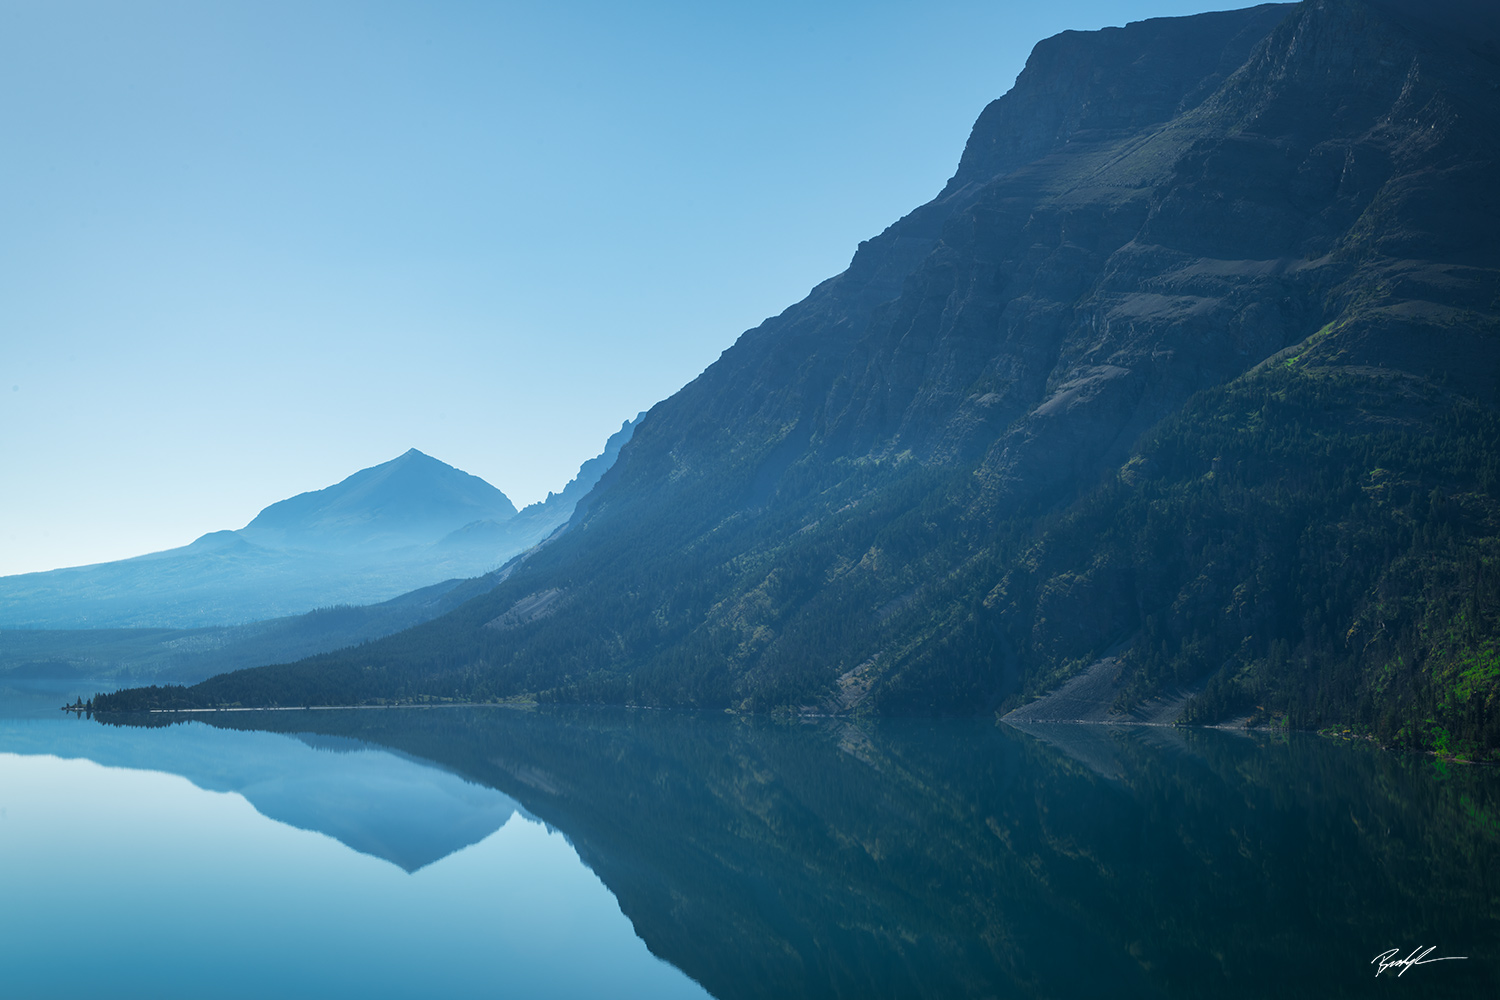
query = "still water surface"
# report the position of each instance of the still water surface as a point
(490, 852)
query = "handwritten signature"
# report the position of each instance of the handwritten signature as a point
(1418, 956)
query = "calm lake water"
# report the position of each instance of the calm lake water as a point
(492, 852)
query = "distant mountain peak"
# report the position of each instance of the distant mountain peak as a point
(414, 499)
(407, 523)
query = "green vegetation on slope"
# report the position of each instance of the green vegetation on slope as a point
(1325, 546)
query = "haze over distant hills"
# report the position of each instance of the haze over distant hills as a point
(411, 500)
(1187, 380)
(397, 527)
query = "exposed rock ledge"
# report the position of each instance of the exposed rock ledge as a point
(1089, 697)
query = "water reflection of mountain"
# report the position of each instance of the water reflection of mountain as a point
(376, 801)
(942, 859)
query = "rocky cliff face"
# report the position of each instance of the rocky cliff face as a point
(1277, 225)
(1151, 211)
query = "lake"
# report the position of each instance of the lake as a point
(633, 853)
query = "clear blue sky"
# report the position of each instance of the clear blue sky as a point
(247, 248)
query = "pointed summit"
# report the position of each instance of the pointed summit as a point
(384, 531)
(413, 499)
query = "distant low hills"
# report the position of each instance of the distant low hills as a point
(187, 655)
(397, 527)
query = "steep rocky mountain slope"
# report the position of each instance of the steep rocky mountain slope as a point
(411, 500)
(1193, 364)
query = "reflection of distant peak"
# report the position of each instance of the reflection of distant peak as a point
(354, 745)
(387, 804)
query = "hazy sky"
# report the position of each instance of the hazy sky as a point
(248, 248)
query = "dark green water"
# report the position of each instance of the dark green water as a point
(957, 859)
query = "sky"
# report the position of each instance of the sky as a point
(249, 247)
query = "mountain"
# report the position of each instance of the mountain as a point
(410, 500)
(365, 539)
(395, 528)
(1188, 378)
(537, 521)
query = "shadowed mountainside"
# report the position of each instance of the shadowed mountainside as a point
(1193, 364)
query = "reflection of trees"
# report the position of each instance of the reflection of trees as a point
(960, 859)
